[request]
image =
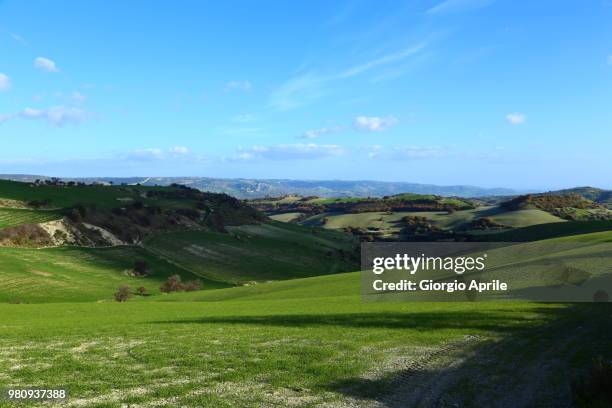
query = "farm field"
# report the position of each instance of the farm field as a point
(10, 217)
(262, 252)
(391, 221)
(286, 348)
(80, 274)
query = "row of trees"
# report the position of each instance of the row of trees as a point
(174, 283)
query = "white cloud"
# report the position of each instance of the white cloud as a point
(244, 86)
(155, 153)
(179, 150)
(45, 64)
(314, 133)
(146, 154)
(457, 6)
(374, 123)
(57, 116)
(5, 82)
(304, 151)
(516, 118)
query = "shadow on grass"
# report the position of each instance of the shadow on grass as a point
(536, 355)
(491, 320)
(530, 366)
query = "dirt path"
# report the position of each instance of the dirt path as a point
(526, 369)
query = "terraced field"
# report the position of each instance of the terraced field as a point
(10, 217)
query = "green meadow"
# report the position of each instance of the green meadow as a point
(303, 342)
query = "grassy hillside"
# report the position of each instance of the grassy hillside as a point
(390, 224)
(10, 217)
(259, 252)
(276, 345)
(80, 274)
(549, 230)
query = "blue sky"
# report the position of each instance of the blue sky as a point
(482, 92)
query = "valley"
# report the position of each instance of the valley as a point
(258, 303)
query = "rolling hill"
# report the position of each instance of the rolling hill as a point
(429, 217)
(69, 242)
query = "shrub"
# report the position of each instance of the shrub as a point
(142, 291)
(172, 284)
(193, 285)
(123, 293)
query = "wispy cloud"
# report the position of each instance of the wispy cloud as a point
(56, 116)
(45, 64)
(609, 59)
(384, 60)
(5, 82)
(516, 118)
(457, 6)
(307, 87)
(235, 85)
(18, 38)
(314, 133)
(298, 91)
(374, 123)
(179, 150)
(300, 151)
(156, 153)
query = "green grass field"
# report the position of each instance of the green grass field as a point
(299, 343)
(389, 223)
(80, 274)
(10, 217)
(262, 252)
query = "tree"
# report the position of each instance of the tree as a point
(123, 293)
(193, 285)
(172, 284)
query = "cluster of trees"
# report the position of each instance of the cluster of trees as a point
(174, 283)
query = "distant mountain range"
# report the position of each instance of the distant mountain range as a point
(259, 188)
